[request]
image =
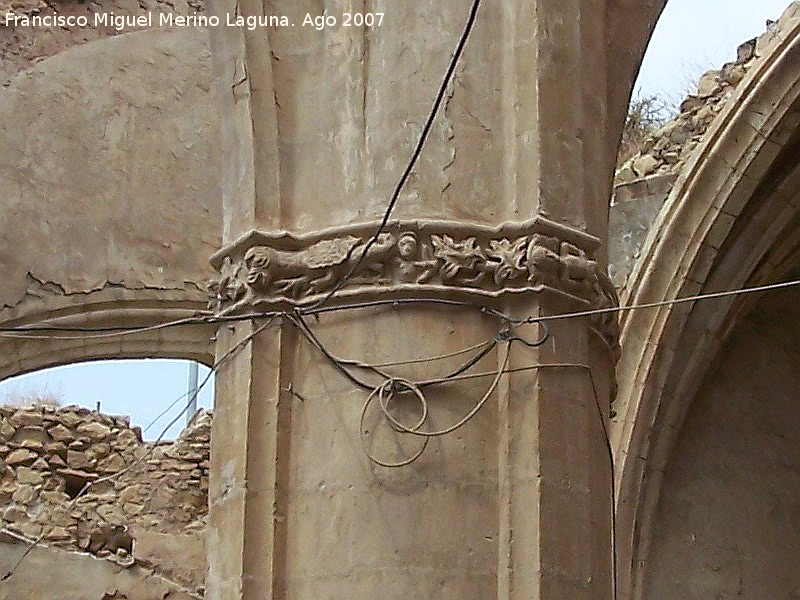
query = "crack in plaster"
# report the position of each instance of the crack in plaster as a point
(43, 288)
(365, 58)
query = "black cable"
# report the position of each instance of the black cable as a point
(397, 302)
(209, 319)
(462, 42)
(297, 321)
(341, 364)
(198, 320)
(215, 319)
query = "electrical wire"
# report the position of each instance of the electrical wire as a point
(394, 303)
(112, 332)
(384, 391)
(38, 332)
(440, 95)
(303, 327)
(341, 364)
(195, 393)
(414, 430)
(362, 430)
(657, 304)
(41, 332)
(46, 332)
(389, 384)
(414, 361)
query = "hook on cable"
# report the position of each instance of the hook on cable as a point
(509, 334)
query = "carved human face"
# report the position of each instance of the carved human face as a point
(256, 258)
(407, 246)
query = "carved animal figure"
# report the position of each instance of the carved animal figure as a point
(228, 287)
(317, 268)
(578, 268)
(542, 258)
(414, 262)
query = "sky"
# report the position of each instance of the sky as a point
(691, 37)
(139, 388)
(694, 36)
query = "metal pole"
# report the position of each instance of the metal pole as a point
(191, 392)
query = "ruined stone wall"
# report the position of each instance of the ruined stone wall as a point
(158, 492)
(21, 46)
(643, 183)
(668, 149)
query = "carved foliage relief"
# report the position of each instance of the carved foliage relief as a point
(408, 259)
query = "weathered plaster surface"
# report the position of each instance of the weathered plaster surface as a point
(109, 178)
(56, 573)
(727, 521)
(22, 47)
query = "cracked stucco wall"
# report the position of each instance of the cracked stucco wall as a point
(108, 171)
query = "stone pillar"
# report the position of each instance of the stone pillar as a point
(506, 211)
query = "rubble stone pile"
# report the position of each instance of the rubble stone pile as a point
(48, 456)
(643, 183)
(667, 150)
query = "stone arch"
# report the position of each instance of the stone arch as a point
(732, 220)
(21, 355)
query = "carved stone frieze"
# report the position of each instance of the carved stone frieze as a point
(412, 259)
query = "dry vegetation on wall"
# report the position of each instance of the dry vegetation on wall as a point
(49, 454)
(646, 114)
(652, 147)
(31, 398)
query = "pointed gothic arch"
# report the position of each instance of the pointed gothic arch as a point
(732, 220)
